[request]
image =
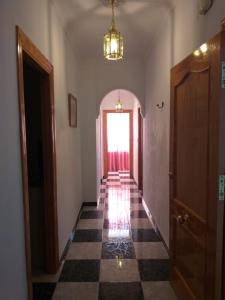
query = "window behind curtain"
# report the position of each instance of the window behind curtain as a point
(118, 137)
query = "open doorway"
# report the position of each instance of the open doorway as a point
(118, 141)
(129, 157)
(35, 165)
(36, 103)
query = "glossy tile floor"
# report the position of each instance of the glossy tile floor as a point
(115, 254)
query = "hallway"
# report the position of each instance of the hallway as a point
(69, 234)
(115, 253)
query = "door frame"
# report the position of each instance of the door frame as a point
(140, 150)
(29, 53)
(105, 142)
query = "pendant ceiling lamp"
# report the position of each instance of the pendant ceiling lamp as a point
(113, 40)
(119, 105)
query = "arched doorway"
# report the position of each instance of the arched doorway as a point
(131, 118)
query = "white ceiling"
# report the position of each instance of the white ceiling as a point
(86, 21)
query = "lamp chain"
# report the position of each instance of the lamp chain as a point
(113, 14)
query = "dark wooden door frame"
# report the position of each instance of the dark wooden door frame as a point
(105, 142)
(140, 150)
(29, 53)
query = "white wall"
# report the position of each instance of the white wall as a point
(156, 131)
(109, 101)
(68, 145)
(181, 33)
(97, 79)
(190, 29)
(39, 21)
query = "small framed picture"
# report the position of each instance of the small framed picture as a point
(72, 101)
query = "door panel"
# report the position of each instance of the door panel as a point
(196, 98)
(191, 130)
(190, 252)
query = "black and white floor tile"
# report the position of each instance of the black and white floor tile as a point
(115, 255)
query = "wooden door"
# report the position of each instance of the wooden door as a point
(197, 122)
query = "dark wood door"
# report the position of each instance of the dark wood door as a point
(195, 166)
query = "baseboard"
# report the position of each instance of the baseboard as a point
(152, 220)
(140, 191)
(70, 240)
(89, 204)
(65, 251)
(149, 214)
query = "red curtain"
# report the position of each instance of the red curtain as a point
(118, 161)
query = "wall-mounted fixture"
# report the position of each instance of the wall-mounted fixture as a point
(204, 6)
(119, 104)
(113, 40)
(160, 106)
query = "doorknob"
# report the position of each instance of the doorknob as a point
(180, 220)
(186, 219)
(171, 175)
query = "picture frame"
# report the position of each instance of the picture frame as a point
(72, 103)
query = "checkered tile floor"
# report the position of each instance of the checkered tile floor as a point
(115, 254)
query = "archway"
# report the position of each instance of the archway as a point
(131, 105)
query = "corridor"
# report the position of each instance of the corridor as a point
(115, 253)
(68, 69)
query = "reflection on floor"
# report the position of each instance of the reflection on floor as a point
(115, 254)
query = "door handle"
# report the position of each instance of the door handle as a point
(183, 220)
(180, 220)
(171, 175)
(186, 219)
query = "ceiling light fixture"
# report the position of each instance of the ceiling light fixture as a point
(113, 40)
(119, 105)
